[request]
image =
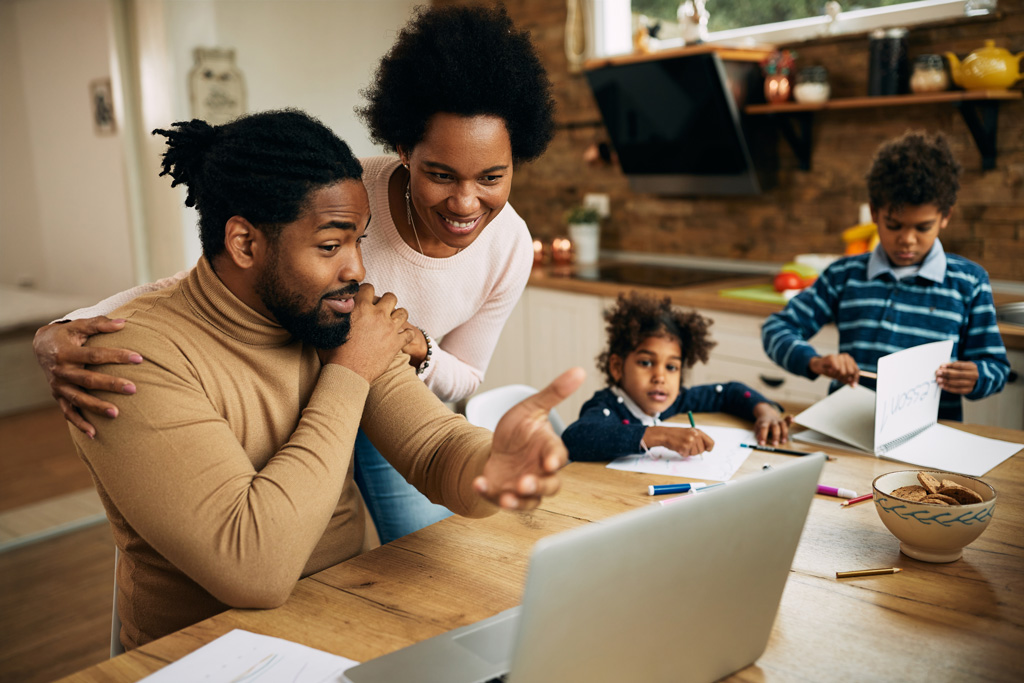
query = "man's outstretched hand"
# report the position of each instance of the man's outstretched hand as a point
(526, 454)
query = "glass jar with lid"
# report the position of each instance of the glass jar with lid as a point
(929, 75)
(812, 85)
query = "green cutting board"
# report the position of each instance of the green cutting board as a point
(763, 293)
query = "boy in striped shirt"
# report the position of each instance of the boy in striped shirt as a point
(906, 292)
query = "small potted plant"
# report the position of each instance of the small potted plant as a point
(584, 232)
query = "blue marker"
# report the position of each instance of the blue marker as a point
(673, 488)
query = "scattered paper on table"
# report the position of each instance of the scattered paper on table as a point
(717, 465)
(243, 657)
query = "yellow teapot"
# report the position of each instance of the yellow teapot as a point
(987, 68)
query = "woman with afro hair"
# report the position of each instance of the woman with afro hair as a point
(461, 99)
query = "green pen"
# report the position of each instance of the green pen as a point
(694, 425)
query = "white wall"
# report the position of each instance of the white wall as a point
(63, 216)
(315, 55)
(21, 243)
(66, 203)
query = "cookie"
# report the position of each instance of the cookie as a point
(912, 493)
(938, 499)
(961, 494)
(931, 484)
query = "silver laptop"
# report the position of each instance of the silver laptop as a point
(686, 591)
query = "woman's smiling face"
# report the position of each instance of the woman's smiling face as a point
(460, 178)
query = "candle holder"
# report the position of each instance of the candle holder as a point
(539, 255)
(561, 250)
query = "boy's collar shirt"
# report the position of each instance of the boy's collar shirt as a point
(635, 410)
(933, 267)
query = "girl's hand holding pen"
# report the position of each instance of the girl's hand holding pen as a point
(769, 426)
(686, 442)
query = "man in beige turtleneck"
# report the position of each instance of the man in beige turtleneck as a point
(228, 475)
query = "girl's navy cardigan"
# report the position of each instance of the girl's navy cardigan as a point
(607, 430)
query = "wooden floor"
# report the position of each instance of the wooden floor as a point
(55, 595)
(38, 460)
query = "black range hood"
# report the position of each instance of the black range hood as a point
(677, 126)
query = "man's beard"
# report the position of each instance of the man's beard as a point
(304, 325)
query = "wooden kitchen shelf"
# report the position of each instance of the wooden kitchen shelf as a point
(980, 109)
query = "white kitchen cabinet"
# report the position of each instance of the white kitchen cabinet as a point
(739, 357)
(550, 331)
(564, 330)
(1005, 409)
(509, 363)
(547, 333)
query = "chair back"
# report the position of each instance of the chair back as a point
(487, 408)
(115, 619)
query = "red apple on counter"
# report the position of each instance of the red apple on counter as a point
(794, 276)
(786, 280)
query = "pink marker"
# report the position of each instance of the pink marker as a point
(838, 493)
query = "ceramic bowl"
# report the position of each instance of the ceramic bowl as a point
(929, 532)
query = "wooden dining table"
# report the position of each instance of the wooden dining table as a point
(961, 621)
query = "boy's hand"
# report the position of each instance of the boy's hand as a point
(839, 366)
(59, 351)
(769, 426)
(685, 442)
(526, 453)
(958, 377)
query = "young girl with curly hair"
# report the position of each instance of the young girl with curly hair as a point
(650, 343)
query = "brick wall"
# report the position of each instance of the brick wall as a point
(807, 210)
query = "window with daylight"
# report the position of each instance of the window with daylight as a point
(741, 22)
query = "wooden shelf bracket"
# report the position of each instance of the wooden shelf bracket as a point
(982, 119)
(797, 127)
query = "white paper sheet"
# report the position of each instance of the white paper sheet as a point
(953, 450)
(899, 421)
(718, 465)
(818, 439)
(847, 414)
(243, 657)
(939, 447)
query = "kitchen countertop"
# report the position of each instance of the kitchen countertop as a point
(705, 295)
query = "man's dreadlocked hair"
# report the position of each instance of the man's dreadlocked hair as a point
(262, 167)
(636, 317)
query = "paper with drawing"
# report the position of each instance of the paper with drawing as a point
(718, 465)
(906, 393)
(899, 420)
(906, 401)
(243, 656)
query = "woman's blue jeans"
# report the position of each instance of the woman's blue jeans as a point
(396, 506)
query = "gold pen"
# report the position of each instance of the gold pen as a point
(867, 572)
